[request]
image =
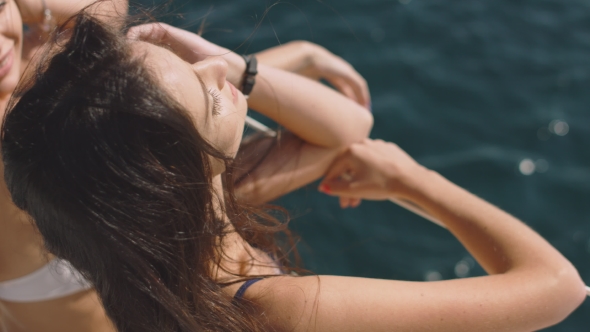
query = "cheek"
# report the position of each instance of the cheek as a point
(228, 136)
(235, 132)
(236, 140)
(233, 128)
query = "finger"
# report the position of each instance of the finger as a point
(344, 88)
(338, 181)
(344, 202)
(360, 88)
(329, 187)
(355, 202)
(365, 97)
(343, 188)
(353, 189)
(363, 91)
(144, 32)
(134, 32)
(355, 85)
(340, 165)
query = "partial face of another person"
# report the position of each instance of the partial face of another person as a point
(11, 37)
(218, 109)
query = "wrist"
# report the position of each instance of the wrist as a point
(412, 183)
(249, 75)
(310, 58)
(237, 68)
(306, 52)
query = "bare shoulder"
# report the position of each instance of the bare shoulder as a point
(21, 245)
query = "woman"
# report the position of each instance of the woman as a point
(131, 181)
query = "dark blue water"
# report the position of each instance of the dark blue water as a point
(481, 91)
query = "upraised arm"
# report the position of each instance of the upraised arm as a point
(322, 121)
(310, 110)
(40, 25)
(32, 11)
(531, 286)
(315, 113)
(315, 62)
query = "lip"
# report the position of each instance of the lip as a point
(9, 57)
(234, 92)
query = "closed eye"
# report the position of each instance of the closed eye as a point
(216, 101)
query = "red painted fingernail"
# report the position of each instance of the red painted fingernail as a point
(325, 188)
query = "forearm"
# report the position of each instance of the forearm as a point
(294, 56)
(61, 10)
(497, 240)
(270, 168)
(532, 285)
(312, 111)
(504, 246)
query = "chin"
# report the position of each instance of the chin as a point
(8, 84)
(243, 104)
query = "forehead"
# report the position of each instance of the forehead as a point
(167, 67)
(175, 76)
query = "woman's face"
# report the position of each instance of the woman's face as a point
(11, 36)
(217, 107)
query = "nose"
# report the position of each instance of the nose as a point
(213, 71)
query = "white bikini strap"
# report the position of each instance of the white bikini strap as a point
(54, 280)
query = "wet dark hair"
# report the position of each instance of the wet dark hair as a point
(118, 181)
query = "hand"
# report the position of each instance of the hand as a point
(372, 169)
(189, 46)
(326, 65)
(315, 62)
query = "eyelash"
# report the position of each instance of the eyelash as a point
(216, 101)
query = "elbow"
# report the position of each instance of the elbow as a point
(367, 124)
(572, 287)
(358, 130)
(567, 293)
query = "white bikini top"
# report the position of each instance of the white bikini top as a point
(54, 280)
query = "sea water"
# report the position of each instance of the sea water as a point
(494, 95)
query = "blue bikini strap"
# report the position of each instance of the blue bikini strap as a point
(240, 293)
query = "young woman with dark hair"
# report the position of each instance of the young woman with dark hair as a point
(123, 154)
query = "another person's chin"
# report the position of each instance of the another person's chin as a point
(8, 84)
(9, 72)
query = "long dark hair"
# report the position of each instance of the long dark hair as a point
(118, 181)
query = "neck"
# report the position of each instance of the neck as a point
(219, 199)
(238, 256)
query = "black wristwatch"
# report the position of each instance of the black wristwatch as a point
(249, 74)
